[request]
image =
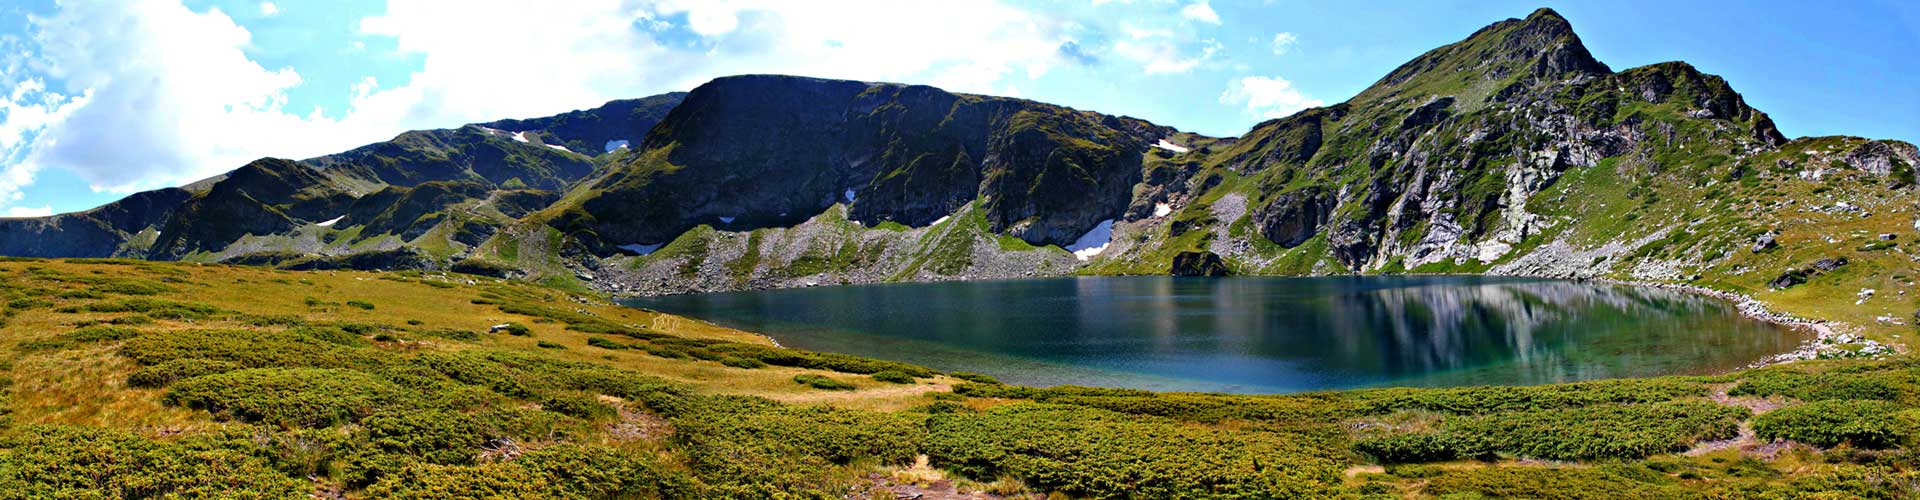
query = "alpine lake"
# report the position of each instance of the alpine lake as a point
(1259, 334)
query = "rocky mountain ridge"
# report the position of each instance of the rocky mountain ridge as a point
(1513, 151)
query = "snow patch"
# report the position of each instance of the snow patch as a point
(944, 218)
(520, 136)
(1162, 209)
(726, 220)
(562, 148)
(331, 222)
(616, 144)
(1094, 242)
(1163, 144)
(641, 249)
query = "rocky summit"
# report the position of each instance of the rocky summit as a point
(1512, 151)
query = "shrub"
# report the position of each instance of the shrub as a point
(452, 334)
(91, 462)
(819, 382)
(579, 405)
(1410, 447)
(1815, 386)
(1608, 431)
(307, 397)
(546, 344)
(559, 471)
(893, 376)
(605, 343)
(1865, 424)
(1085, 452)
(975, 377)
(766, 449)
(739, 362)
(517, 330)
(364, 305)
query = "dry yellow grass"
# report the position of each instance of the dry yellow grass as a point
(86, 385)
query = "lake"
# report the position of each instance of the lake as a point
(1260, 335)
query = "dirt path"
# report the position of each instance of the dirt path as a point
(1745, 441)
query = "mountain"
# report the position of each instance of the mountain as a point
(1512, 151)
(427, 195)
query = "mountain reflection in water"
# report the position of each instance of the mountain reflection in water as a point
(1260, 334)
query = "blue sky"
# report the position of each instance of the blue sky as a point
(110, 97)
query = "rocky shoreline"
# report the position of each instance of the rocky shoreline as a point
(1828, 342)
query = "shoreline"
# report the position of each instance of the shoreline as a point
(1823, 330)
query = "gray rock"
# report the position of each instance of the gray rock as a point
(1764, 242)
(1294, 217)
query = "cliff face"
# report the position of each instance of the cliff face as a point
(769, 151)
(1439, 160)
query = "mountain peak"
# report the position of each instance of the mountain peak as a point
(1542, 46)
(1545, 13)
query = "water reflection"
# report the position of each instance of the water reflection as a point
(1260, 334)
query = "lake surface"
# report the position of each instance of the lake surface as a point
(1260, 335)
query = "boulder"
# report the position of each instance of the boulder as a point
(1294, 217)
(1788, 279)
(1201, 263)
(1829, 264)
(1764, 242)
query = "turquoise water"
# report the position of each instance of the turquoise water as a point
(1259, 335)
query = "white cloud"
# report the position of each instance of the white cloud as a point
(150, 93)
(1267, 97)
(269, 9)
(1200, 11)
(1282, 42)
(41, 211)
(1158, 56)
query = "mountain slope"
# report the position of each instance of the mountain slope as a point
(1512, 151)
(431, 192)
(767, 151)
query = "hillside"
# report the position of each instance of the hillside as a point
(129, 379)
(1512, 151)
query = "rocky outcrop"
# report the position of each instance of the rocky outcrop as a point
(268, 196)
(597, 130)
(1202, 263)
(1295, 216)
(770, 151)
(105, 231)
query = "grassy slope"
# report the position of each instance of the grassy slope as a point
(410, 398)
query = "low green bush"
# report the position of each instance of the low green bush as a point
(178, 369)
(739, 362)
(974, 377)
(548, 344)
(1605, 431)
(755, 448)
(361, 304)
(93, 462)
(1086, 452)
(605, 343)
(820, 382)
(1862, 423)
(1817, 386)
(306, 397)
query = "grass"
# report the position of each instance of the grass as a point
(272, 376)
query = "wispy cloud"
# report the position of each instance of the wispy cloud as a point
(1267, 97)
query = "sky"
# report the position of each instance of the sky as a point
(99, 99)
